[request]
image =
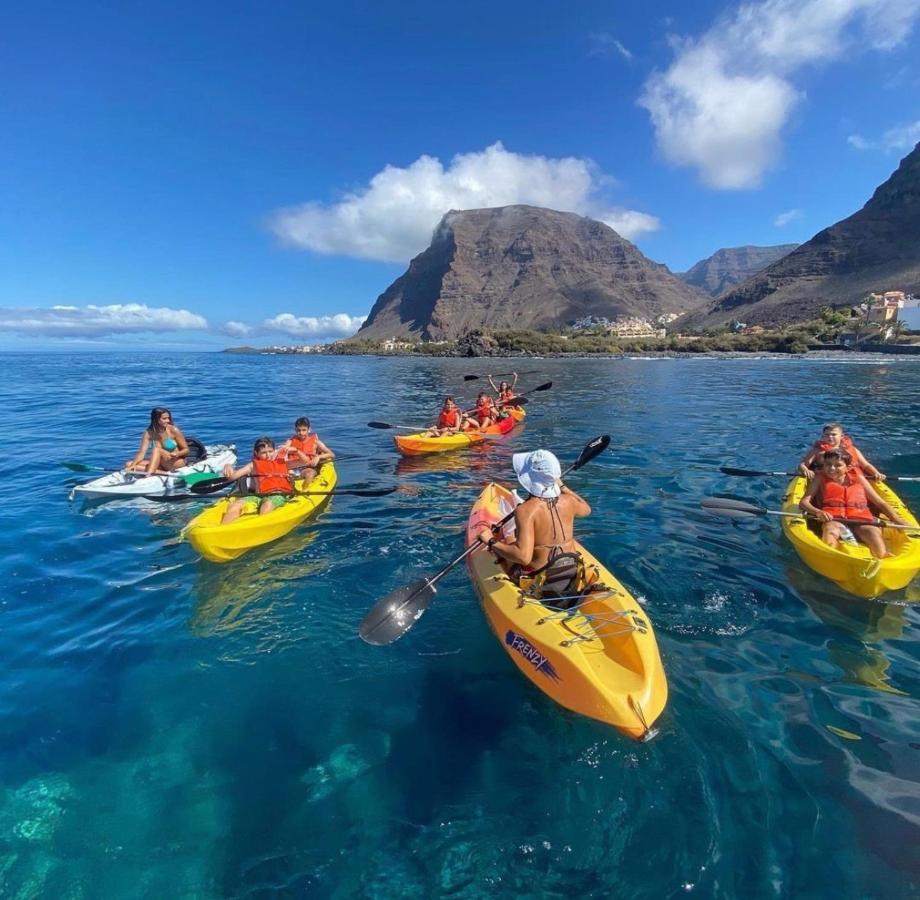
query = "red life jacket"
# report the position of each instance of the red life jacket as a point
(306, 446)
(846, 501)
(845, 444)
(271, 476)
(449, 418)
(483, 411)
(504, 396)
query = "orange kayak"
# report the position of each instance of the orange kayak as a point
(421, 442)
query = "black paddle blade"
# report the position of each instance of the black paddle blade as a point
(471, 377)
(170, 498)
(592, 448)
(515, 401)
(543, 387)
(390, 618)
(733, 509)
(210, 487)
(379, 425)
(752, 473)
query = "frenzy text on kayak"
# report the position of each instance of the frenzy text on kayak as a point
(531, 654)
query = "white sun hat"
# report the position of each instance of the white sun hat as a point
(538, 473)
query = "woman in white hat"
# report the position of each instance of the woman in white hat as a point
(545, 521)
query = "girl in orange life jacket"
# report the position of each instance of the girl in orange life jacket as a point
(841, 491)
(450, 419)
(833, 438)
(505, 390)
(306, 450)
(485, 411)
(273, 483)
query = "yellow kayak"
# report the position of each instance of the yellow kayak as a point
(221, 543)
(599, 659)
(852, 566)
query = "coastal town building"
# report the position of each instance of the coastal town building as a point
(884, 308)
(634, 327)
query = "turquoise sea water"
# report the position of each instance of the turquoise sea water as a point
(172, 728)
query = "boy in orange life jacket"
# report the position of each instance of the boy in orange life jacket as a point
(833, 438)
(841, 491)
(308, 444)
(272, 481)
(451, 419)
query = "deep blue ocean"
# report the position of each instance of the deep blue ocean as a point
(174, 728)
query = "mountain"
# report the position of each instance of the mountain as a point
(875, 249)
(732, 265)
(519, 267)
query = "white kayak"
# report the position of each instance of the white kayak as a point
(139, 484)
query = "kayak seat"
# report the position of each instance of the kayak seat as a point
(196, 451)
(561, 583)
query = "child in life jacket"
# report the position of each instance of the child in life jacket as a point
(485, 412)
(833, 438)
(270, 477)
(451, 419)
(307, 443)
(840, 491)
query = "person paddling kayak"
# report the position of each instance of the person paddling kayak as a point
(306, 443)
(834, 438)
(168, 443)
(544, 522)
(271, 479)
(451, 420)
(840, 490)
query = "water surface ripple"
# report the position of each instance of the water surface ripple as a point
(176, 728)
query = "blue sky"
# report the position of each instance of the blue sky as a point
(209, 174)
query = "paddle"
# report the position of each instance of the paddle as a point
(351, 492)
(754, 473)
(499, 375)
(738, 509)
(517, 401)
(390, 618)
(388, 425)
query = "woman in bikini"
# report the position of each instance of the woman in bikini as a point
(170, 448)
(545, 521)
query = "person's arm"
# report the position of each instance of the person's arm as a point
(237, 474)
(514, 380)
(299, 459)
(806, 463)
(808, 506)
(521, 551)
(492, 383)
(141, 450)
(866, 466)
(181, 450)
(582, 507)
(324, 453)
(876, 500)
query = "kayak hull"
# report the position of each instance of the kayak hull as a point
(601, 660)
(223, 543)
(421, 443)
(128, 484)
(852, 566)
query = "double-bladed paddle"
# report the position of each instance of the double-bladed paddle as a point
(500, 375)
(738, 509)
(754, 473)
(390, 618)
(351, 492)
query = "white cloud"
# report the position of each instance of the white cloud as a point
(392, 218)
(339, 325)
(900, 138)
(721, 105)
(785, 218)
(236, 329)
(604, 44)
(97, 321)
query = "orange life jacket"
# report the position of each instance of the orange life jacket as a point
(504, 396)
(845, 444)
(306, 446)
(484, 411)
(847, 500)
(271, 476)
(449, 418)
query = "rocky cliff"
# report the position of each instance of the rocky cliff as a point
(519, 267)
(731, 266)
(875, 249)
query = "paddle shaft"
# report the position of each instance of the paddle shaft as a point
(754, 473)
(499, 375)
